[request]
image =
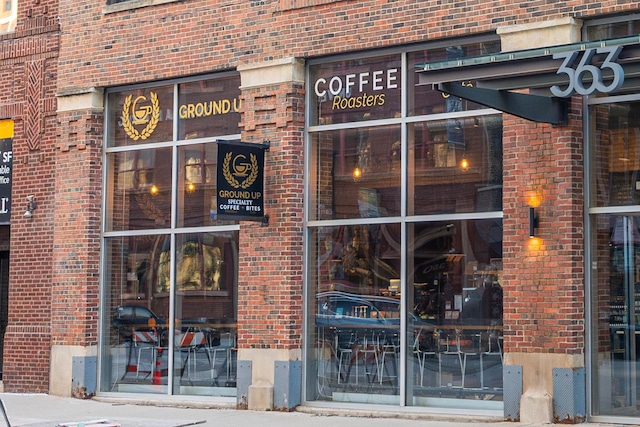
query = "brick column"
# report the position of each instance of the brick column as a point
(544, 291)
(543, 286)
(271, 257)
(76, 242)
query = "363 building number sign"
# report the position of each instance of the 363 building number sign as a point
(585, 68)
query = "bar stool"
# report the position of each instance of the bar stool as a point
(369, 355)
(389, 348)
(190, 342)
(215, 348)
(452, 349)
(232, 352)
(471, 346)
(145, 341)
(422, 354)
(494, 349)
(347, 351)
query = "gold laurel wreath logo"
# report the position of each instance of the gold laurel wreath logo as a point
(226, 172)
(149, 208)
(151, 126)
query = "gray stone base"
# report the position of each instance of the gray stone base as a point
(261, 397)
(536, 408)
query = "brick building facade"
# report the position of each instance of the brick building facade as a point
(30, 67)
(70, 68)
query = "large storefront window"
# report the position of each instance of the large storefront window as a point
(404, 238)
(170, 264)
(364, 179)
(425, 99)
(461, 156)
(615, 257)
(613, 248)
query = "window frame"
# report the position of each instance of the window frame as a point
(170, 230)
(403, 219)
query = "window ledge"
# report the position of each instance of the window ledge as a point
(133, 4)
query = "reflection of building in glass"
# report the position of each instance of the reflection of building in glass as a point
(198, 267)
(8, 16)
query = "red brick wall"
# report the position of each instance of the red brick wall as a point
(31, 263)
(178, 38)
(543, 277)
(271, 258)
(78, 183)
(29, 70)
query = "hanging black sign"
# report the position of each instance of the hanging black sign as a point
(6, 165)
(240, 181)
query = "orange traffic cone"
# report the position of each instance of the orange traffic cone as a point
(157, 374)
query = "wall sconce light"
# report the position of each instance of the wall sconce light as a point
(31, 206)
(191, 187)
(357, 173)
(464, 164)
(154, 190)
(533, 222)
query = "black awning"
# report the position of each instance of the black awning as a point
(545, 109)
(495, 76)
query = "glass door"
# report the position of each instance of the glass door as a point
(618, 295)
(614, 258)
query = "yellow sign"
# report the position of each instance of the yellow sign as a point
(209, 108)
(6, 129)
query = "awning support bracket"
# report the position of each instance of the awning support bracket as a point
(531, 107)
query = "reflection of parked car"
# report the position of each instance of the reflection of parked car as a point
(129, 317)
(342, 308)
(135, 315)
(335, 305)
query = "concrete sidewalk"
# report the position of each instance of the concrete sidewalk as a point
(41, 410)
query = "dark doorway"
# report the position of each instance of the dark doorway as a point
(4, 300)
